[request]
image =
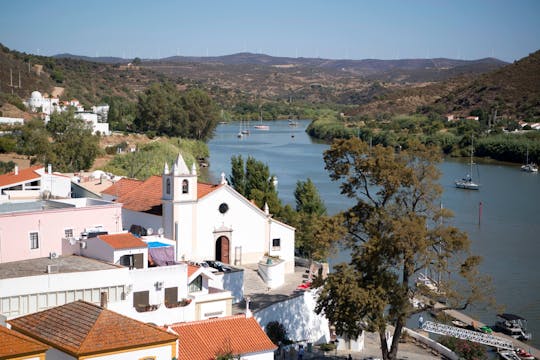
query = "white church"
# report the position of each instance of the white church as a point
(207, 221)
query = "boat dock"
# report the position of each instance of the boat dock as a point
(477, 324)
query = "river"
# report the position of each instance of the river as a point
(508, 236)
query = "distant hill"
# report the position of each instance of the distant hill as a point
(101, 59)
(514, 91)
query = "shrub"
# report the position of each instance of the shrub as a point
(277, 333)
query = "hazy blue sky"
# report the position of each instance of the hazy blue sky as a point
(382, 29)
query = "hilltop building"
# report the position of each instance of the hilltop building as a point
(46, 106)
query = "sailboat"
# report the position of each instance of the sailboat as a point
(467, 182)
(261, 126)
(240, 133)
(529, 167)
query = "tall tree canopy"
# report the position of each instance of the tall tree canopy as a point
(253, 180)
(393, 233)
(164, 110)
(73, 146)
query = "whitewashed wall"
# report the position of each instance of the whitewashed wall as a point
(269, 355)
(298, 317)
(161, 352)
(130, 217)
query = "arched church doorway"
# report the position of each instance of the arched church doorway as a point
(222, 249)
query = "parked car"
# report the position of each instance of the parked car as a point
(218, 265)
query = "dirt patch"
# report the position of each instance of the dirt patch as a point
(22, 161)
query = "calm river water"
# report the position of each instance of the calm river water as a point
(508, 237)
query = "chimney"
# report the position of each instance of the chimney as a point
(103, 300)
(16, 170)
(49, 169)
(248, 312)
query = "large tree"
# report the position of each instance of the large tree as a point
(253, 180)
(394, 232)
(164, 110)
(73, 146)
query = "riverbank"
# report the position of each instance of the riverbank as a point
(452, 138)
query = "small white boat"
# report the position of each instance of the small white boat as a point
(529, 167)
(467, 182)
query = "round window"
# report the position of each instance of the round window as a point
(223, 208)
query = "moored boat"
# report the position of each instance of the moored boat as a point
(524, 355)
(513, 325)
(508, 355)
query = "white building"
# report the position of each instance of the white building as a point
(117, 277)
(34, 182)
(207, 222)
(97, 118)
(93, 120)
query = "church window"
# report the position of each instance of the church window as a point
(223, 208)
(185, 187)
(168, 186)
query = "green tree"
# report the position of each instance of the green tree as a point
(277, 332)
(238, 174)
(308, 199)
(252, 179)
(33, 141)
(73, 146)
(393, 234)
(162, 109)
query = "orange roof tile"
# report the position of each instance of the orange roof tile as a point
(146, 196)
(191, 269)
(14, 344)
(81, 328)
(203, 340)
(122, 186)
(123, 241)
(24, 175)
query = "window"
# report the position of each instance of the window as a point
(185, 187)
(168, 186)
(141, 299)
(171, 296)
(276, 244)
(68, 233)
(196, 285)
(34, 240)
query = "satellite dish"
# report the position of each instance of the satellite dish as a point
(160, 231)
(149, 231)
(72, 241)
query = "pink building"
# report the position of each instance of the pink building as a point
(34, 229)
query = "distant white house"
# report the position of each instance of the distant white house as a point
(46, 106)
(11, 121)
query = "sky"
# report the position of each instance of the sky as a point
(333, 29)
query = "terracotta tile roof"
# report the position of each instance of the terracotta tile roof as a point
(14, 344)
(122, 186)
(81, 328)
(191, 269)
(23, 176)
(146, 196)
(123, 241)
(202, 340)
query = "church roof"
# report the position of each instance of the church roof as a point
(122, 186)
(145, 196)
(203, 340)
(81, 328)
